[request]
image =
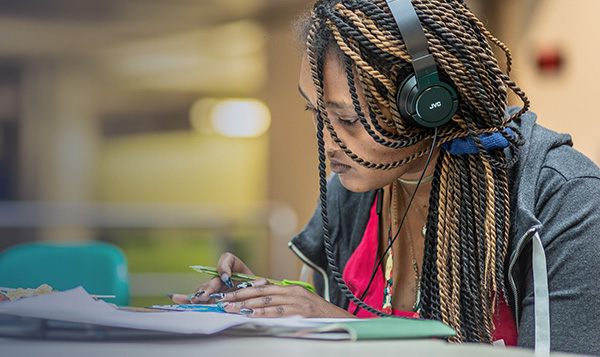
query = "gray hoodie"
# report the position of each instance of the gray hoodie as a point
(555, 204)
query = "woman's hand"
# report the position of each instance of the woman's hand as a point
(227, 264)
(267, 300)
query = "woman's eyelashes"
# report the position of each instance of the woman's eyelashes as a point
(343, 120)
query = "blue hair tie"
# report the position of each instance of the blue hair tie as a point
(466, 145)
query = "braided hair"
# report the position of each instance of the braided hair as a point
(469, 207)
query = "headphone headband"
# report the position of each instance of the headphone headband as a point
(413, 36)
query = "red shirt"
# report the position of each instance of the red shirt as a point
(359, 268)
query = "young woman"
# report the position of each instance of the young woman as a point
(460, 221)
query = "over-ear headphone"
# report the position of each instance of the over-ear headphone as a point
(424, 99)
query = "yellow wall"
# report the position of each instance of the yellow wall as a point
(184, 167)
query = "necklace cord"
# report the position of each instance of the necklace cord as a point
(414, 182)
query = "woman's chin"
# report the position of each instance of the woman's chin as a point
(354, 185)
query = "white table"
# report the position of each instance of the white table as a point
(217, 346)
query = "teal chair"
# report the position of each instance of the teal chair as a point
(101, 268)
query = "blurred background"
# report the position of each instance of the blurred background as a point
(173, 128)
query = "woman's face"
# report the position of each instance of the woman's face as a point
(349, 129)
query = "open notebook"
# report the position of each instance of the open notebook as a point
(74, 314)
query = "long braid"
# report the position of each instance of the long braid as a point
(467, 251)
(430, 287)
(443, 241)
(468, 223)
(502, 224)
(453, 264)
(481, 242)
(475, 266)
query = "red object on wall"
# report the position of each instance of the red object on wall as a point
(549, 60)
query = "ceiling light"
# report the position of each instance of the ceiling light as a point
(246, 118)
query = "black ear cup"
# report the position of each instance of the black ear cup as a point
(429, 106)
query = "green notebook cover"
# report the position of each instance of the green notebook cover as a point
(392, 328)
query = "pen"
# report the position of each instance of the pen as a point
(9, 290)
(245, 277)
(103, 296)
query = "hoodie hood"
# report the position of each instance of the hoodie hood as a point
(523, 177)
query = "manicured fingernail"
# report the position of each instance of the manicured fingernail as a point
(245, 284)
(217, 296)
(196, 294)
(225, 305)
(227, 280)
(170, 296)
(246, 311)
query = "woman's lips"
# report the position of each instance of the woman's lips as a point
(338, 167)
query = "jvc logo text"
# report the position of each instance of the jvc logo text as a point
(435, 105)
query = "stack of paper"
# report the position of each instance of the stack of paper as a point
(76, 306)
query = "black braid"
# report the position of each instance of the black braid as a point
(468, 296)
(430, 286)
(501, 229)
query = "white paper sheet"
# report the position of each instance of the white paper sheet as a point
(76, 305)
